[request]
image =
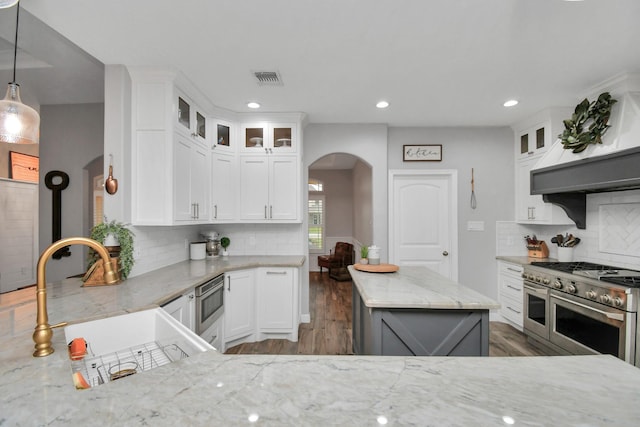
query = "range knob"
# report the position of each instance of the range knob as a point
(591, 294)
(557, 284)
(571, 288)
(546, 281)
(538, 279)
(618, 302)
(605, 299)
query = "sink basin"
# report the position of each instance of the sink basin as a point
(123, 345)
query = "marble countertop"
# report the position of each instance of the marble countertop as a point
(523, 260)
(215, 389)
(417, 287)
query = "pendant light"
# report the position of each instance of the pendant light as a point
(19, 123)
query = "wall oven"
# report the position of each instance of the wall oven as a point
(582, 308)
(536, 310)
(209, 303)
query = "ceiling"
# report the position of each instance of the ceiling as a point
(437, 62)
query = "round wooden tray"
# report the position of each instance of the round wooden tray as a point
(377, 268)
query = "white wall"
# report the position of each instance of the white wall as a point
(338, 192)
(71, 136)
(363, 210)
(490, 152)
(368, 142)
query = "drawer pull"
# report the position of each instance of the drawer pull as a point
(514, 310)
(276, 272)
(514, 288)
(514, 269)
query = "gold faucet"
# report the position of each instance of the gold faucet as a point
(43, 332)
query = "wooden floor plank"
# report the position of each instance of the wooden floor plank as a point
(329, 331)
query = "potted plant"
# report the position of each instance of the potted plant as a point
(225, 242)
(364, 253)
(118, 239)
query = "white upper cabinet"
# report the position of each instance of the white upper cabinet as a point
(224, 140)
(224, 172)
(269, 188)
(269, 138)
(533, 137)
(190, 119)
(170, 156)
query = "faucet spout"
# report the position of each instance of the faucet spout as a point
(43, 332)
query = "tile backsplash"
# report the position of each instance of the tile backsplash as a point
(157, 247)
(612, 235)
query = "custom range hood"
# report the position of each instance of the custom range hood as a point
(565, 178)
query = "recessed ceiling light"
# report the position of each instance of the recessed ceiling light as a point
(382, 104)
(253, 105)
(510, 103)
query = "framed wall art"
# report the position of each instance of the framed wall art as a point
(24, 167)
(422, 153)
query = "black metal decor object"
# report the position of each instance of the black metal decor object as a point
(56, 217)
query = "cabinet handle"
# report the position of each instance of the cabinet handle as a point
(514, 310)
(229, 285)
(193, 211)
(213, 338)
(445, 253)
(514, 269)
(197, 210)
(266, 150)
(191, 296)
(265, 211)
(270, 211)
(514, 288)
(215, 211)
(277, 272)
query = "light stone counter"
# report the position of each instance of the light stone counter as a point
(523, 260)
(215, 389)
(417, 287)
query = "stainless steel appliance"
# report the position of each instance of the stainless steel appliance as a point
(209, 303)
(582, 308)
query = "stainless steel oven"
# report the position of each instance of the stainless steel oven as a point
(582, 308)
(587, 328)
(209, 303)
(536, 310)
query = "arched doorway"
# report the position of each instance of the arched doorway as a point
(340, 204)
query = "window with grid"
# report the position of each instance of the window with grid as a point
(316, 216)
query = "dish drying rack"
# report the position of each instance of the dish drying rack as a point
(98, 370)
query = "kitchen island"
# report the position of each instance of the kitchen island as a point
(418, 312)
(215, 389)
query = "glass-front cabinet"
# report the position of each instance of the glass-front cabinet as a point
(191, 122)
(224, 138)
(269, 137)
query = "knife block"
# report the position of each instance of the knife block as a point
(541, 250)
(95, 275)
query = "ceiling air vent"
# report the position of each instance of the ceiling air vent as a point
(268, 78)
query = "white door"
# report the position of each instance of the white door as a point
(423, 220)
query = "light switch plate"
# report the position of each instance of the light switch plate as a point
(475, 225)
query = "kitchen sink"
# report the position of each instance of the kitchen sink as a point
(128, 344)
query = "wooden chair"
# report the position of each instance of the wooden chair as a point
(337, 261)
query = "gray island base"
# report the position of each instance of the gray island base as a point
(417, 312)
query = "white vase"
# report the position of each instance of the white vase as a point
(364, 261)
(111, 240)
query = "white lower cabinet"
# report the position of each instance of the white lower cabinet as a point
(214, 334)
(183, 309)
(277, 300)
(260, 304)
(510, 292)
(239, 304)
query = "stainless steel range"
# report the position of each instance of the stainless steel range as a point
(582, 308)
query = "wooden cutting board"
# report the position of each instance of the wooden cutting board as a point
(378, 268)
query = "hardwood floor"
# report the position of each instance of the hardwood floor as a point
(329, 331)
